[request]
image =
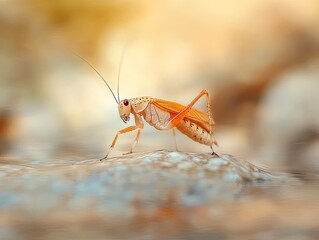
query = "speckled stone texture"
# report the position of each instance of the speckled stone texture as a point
(156, 195)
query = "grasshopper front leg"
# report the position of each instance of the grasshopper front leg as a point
(139, 126)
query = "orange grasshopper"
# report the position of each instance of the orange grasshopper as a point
(164, 115)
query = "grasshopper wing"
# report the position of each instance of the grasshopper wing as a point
(193, 115)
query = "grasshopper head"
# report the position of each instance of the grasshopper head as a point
(125, 110)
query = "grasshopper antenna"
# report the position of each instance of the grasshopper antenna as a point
(117, 101)
(119, 73)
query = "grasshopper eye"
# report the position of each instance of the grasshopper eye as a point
(126, 102)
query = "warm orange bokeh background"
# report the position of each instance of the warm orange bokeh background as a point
(259, 60)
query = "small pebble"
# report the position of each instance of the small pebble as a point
(167, 164)
(218, 161)
(196, 159)
(175, 157)
(185, 165)
(232, 177)
(213, 165)
(153, 157)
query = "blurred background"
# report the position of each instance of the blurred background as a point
(258, 59)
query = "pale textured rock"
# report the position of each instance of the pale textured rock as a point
(162, 187)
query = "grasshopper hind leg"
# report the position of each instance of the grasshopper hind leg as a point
(175, 142)
(213, 152)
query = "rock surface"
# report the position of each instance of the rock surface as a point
(156, 195)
